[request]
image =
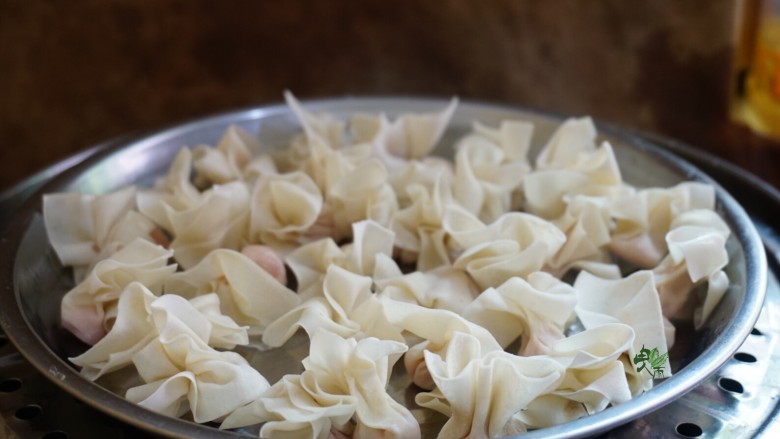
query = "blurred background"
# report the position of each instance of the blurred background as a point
(73, 74)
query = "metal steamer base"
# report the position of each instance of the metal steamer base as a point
(741, 400)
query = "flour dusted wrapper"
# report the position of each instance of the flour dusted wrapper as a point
(427, 172)
(78, 225)
(248, 294)
(326, 165)
(130, 333)
(698, 237)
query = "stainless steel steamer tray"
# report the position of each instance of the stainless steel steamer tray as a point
(32, 282)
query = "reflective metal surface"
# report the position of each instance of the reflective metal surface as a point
(32, 282)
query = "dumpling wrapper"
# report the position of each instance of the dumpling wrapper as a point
(344, 379)
(88, 309)
(78, 225)
(218, 222)
(442, 288)
(321, 125)
(198, 222)
(84, 229)
(536, 310)
(283, 208)
(572, 138)
(248, 294)
(183, 374)
(310, 262)
(172, 193)
(410, 136)
(468, 231)
(370, 239)
(142, 316)
(697, 254)
(483, 392)
(633, 301)
(593, 173)
(513, 136)
(698, 237)
(595, 376)
(586, 223)
(516, 244)
(418, 226)
(327, 166)
(347, 308)
(427, 172)
(493, 263)
(642, 219)
(211, 385)
(435, 327)
(364, 193)
(484, 180)
(225, 162)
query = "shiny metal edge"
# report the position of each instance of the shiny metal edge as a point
(12, 197)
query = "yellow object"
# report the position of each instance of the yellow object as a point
(762, 88)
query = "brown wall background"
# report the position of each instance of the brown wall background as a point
(75, 73)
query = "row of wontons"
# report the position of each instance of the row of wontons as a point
(348, 207)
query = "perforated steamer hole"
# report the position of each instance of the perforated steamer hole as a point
(28, 412)
(689, 429)
(731, 385)
(10, 385)
(744, 357)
